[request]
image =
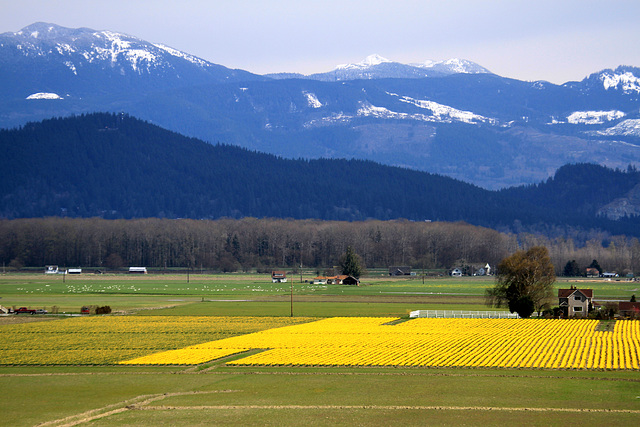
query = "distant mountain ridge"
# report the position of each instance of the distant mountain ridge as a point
(460, 120)
(376, 67)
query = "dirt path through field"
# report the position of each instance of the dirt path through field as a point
(116, 408)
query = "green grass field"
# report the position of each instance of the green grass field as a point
(216, 394)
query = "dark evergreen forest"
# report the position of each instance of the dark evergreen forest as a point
(114, 166)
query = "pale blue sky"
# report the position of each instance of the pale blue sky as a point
(549, 40)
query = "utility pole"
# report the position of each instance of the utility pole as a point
(291, 298)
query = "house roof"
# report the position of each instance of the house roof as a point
(629, 306)
(278, 273)
(566, 293)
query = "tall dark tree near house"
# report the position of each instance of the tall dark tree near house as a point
(571, 269)
(524, 282)
(594, 264)
(351, 263)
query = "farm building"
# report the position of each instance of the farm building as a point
(483, 271)
(629, 309)
(51, 269)
(350, 280)
(320, 280)
(456, 272)
(336, 280)
(400, 271)
(74, 271)
(278, 277)
(592, 272)
(138, 270)
(575, 302)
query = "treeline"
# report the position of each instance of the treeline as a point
(250, 243)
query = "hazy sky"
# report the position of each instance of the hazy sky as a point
(549, 40)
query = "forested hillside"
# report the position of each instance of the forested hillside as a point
(115, 166)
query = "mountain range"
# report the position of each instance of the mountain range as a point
(116, 166)
(452, 118)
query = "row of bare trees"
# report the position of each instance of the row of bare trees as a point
(250, 243)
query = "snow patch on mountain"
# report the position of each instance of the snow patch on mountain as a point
(117, 46)
(439, 113)
(72, 67)
(44, 95)
(594, 117)
(444, 113)
(179, 54)
(629, 127)
(312, 100)
(627, 81)
(335, 118)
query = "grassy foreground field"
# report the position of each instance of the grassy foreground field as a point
(215, 393)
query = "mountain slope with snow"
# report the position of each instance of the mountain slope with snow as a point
(449, 117)
(46, 57)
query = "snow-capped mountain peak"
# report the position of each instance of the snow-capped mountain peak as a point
(369, 61)
(453, 66)
(104, 61)
(621, 79)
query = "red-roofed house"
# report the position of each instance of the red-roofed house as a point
(575, 302)
(629, 309)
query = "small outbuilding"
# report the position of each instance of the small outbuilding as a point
(51, 269)
(138, 270)
(74, 271)
(278, 277)
(350, 280)
(403, 270)
(456, 272)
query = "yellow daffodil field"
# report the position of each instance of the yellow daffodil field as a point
(507, 343)
(101, 340)
(340, 341)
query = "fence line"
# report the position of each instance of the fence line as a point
(460, 314)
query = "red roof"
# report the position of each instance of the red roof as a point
(629, 306)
